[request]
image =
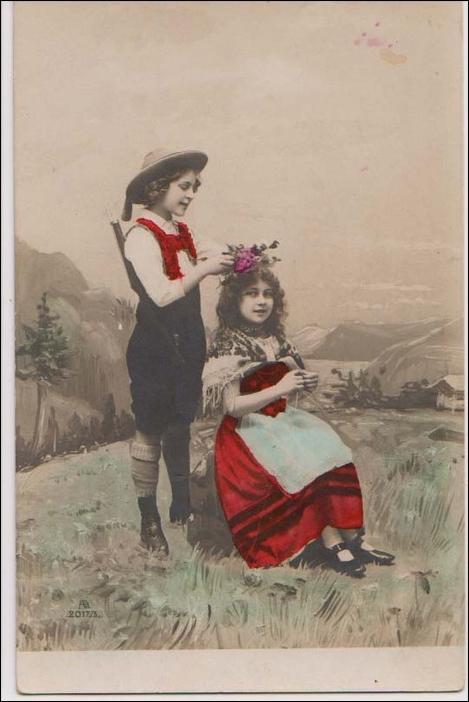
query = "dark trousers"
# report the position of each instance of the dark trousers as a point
(175, 444)
(165, 397)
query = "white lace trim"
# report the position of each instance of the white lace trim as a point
(220, 372)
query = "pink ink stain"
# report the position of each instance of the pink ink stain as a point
(364, 169)
(375, 41)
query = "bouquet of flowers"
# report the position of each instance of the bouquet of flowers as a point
(248, 257)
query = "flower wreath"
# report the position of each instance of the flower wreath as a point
(247, 258)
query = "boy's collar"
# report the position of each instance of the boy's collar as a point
(160, 221)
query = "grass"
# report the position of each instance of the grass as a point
(414, 507)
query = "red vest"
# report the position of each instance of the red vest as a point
(170, 244)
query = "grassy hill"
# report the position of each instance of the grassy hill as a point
(430, 356)
(78, 534)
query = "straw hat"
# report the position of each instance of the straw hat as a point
(155, 165)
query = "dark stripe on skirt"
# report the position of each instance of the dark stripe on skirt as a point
(333, 475)
(288, 508)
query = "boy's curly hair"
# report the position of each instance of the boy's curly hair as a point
(155, 188)
(229, 316)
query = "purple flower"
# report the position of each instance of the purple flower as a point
(246, 259)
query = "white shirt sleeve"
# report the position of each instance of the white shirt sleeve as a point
(145, 255)
(207, 247)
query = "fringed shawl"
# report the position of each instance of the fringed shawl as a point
(233, 354)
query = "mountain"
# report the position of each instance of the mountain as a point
(430, 356)
(97, 325)
(308, 338)
(37, 272)
(359, 341)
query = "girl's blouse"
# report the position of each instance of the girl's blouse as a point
(270, 345)
(144, 253)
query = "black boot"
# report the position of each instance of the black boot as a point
(180, 508)
(151, 533)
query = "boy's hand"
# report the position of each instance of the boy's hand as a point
(220, 263)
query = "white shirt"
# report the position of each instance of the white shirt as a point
(144, 253)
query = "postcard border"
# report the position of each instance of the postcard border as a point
(419, 669)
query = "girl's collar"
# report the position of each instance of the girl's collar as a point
(255, 330)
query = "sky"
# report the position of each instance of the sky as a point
(334, 127)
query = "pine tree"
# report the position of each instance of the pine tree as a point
(47, 351)
(108, 426)
(376, 391)
(126, 426)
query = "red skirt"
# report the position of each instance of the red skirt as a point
(269, 525)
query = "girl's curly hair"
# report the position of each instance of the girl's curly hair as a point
(155, 188)
(229, 316)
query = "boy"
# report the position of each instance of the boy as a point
(166, 352)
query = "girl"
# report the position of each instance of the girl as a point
(284, 477)
(166, 352)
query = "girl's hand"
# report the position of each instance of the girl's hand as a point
(291, 382)
(289, 361)
(310, 380)
(220, 263)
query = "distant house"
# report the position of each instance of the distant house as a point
(449, 392)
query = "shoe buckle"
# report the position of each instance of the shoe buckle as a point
(339, 547)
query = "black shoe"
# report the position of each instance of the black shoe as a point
(153, 539)
(151, 534)
(353, 568)
(374, 555)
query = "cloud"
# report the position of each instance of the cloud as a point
(386, 242)
(360, 305)
(415, 301)
(388, 286)
(364, 305)
(430, 246)
(393, 286)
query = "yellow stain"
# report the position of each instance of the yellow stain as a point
(390, 57)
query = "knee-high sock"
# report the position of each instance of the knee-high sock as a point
(145, 468)
(176, 440)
